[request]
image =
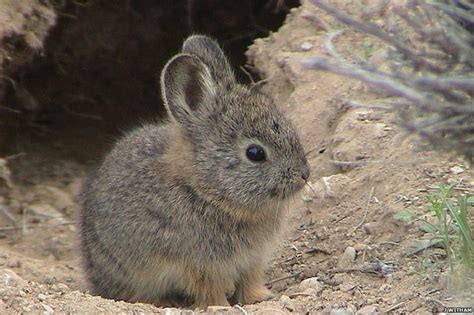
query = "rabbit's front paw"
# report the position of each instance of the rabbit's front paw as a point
(254, 294)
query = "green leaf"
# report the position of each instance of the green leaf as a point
(428, 227)
(403, 215)
(463, 227)
(470, 200)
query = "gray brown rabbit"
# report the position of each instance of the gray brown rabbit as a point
(185, 212)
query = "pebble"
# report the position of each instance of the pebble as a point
(347, 286)
(311, 283)
(361, 247)
(367, 310)
(347, 258)
(456, 170)
(306, 46)
(287, 303)
(47, 309)
(216, 309)
(341, 311)
(369, 228)
(9, 277)
(41, 297)
(60, 287)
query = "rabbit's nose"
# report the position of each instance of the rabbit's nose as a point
(305, 172)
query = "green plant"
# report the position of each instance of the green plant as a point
(453, 226)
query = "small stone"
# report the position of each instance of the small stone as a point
(456, 170)
(367, 310)
(47, 309)
(311, 283)
(9, 277)
(27, 309)
(311, 291)
(347, 258)
(369, 228)
(347, 286)
(217, 309)
(341, 311)
(361, 247)
(41, 297)
(306, 46)
(287, 303)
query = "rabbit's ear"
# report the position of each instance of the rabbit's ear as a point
(186, 85)
(211, 54)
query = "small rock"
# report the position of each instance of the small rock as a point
(47, 309)
(347, 258)
(217, 309)
(9, 277)
(306, 46)
(456, 170)
(347, 286)
(341, 311)
(312, 291)
(369, 228)
(41, 297)
(367, 310)
(287, 303)
(361, 247)
(27, 309)
(312, 283)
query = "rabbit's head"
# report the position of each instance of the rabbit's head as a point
(244, 151)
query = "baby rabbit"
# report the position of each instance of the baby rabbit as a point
(184, 213)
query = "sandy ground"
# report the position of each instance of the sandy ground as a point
(338, 228)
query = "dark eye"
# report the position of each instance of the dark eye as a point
(255, 153)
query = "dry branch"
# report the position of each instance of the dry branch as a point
(430, 64)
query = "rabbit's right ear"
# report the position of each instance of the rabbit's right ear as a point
(186, 86)
(209, 51)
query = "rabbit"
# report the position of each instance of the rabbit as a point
(186, 212)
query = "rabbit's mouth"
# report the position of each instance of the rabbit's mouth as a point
(288, 191)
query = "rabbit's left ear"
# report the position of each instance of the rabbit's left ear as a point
(209, 52)
(186, 86)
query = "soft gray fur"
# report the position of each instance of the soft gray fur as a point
(177, 214)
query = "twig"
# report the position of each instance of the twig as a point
(293, 275)
(386, 82)
(9, 228)
(375, 30)
(386, 162)
(241, 309)
(247, 74)
(378, 268)
(366, 210)
(9, 216)
(9, 109)
(395, 306)
(14, 156)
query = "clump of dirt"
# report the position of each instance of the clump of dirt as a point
(343, 252)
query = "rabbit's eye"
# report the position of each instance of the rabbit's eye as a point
(255, 153)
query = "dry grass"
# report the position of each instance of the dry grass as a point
(429, 48)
